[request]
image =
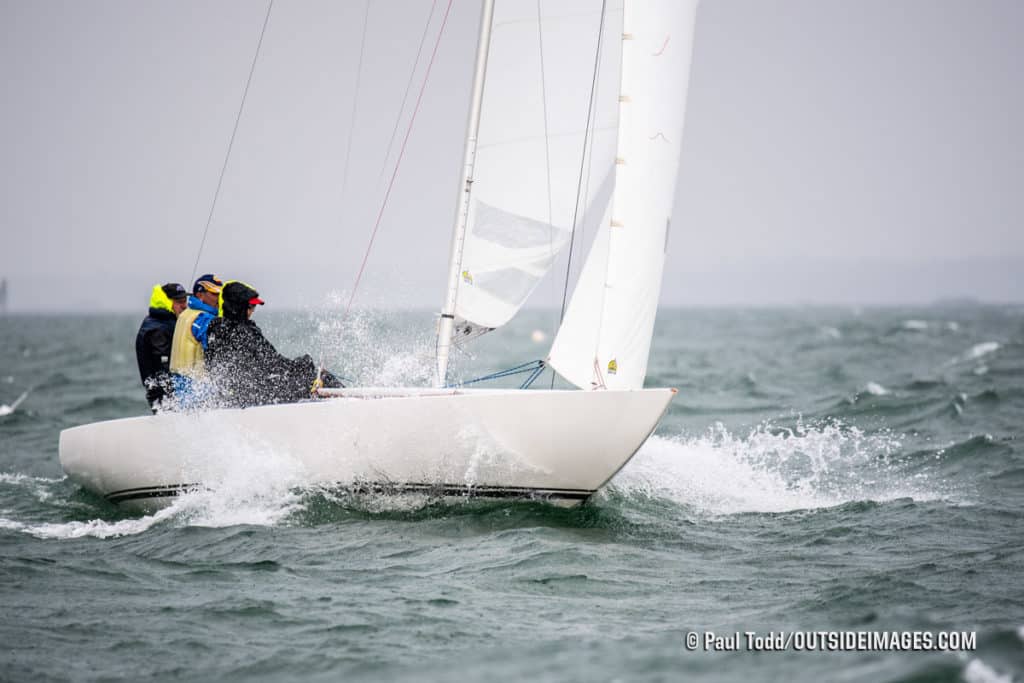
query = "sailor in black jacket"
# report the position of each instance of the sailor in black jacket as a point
(153, 342)
(245, 368)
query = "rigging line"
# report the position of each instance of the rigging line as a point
(398, 162)
(405, 97)
(355, 103)
(595, 95)
(231, 142)
(583, 159)
(547, 142)
(531, 366)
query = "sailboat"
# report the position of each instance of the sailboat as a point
(582, 131)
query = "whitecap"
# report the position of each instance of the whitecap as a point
(916, 325)
(981, 370)
(876, 389)
(953, 326)
(773, 470)
(8, 409)
(978, 671)
(1020, 632)
(829, 332)
(982, 349)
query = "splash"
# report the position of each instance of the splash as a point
(772, 470)
(369, 347)
(249, 481)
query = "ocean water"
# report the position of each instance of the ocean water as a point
(847, 470)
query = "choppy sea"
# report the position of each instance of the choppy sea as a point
(821, 470)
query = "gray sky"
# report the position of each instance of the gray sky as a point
(836, 151)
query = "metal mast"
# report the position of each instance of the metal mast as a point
(446, 323)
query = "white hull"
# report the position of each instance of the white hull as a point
(558, 445)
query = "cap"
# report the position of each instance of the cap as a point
(174, 290)
(209, 282)
(256, 301)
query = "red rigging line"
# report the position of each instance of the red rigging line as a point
(398, 162)
(405, 95)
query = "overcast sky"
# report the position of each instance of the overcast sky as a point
(836, 151)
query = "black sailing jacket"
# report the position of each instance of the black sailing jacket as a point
(247, 370)
(153, 352)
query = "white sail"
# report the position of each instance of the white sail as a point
(605, 338)
(530, 172)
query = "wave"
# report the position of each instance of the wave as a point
(96, 528)
(108, 407)
(774, 470)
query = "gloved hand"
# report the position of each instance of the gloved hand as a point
(330, 381)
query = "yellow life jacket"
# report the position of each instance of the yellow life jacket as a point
(186, 351)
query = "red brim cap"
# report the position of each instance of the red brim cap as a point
(256, 301)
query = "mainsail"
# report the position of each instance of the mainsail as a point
(546, 143)
(605, 338)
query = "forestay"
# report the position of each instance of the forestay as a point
(530, 168)
(605, 337)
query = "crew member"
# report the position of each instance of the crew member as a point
(153, 342)
(245, 368)
(190, 330)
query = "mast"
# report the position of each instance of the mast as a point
(446, 323)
